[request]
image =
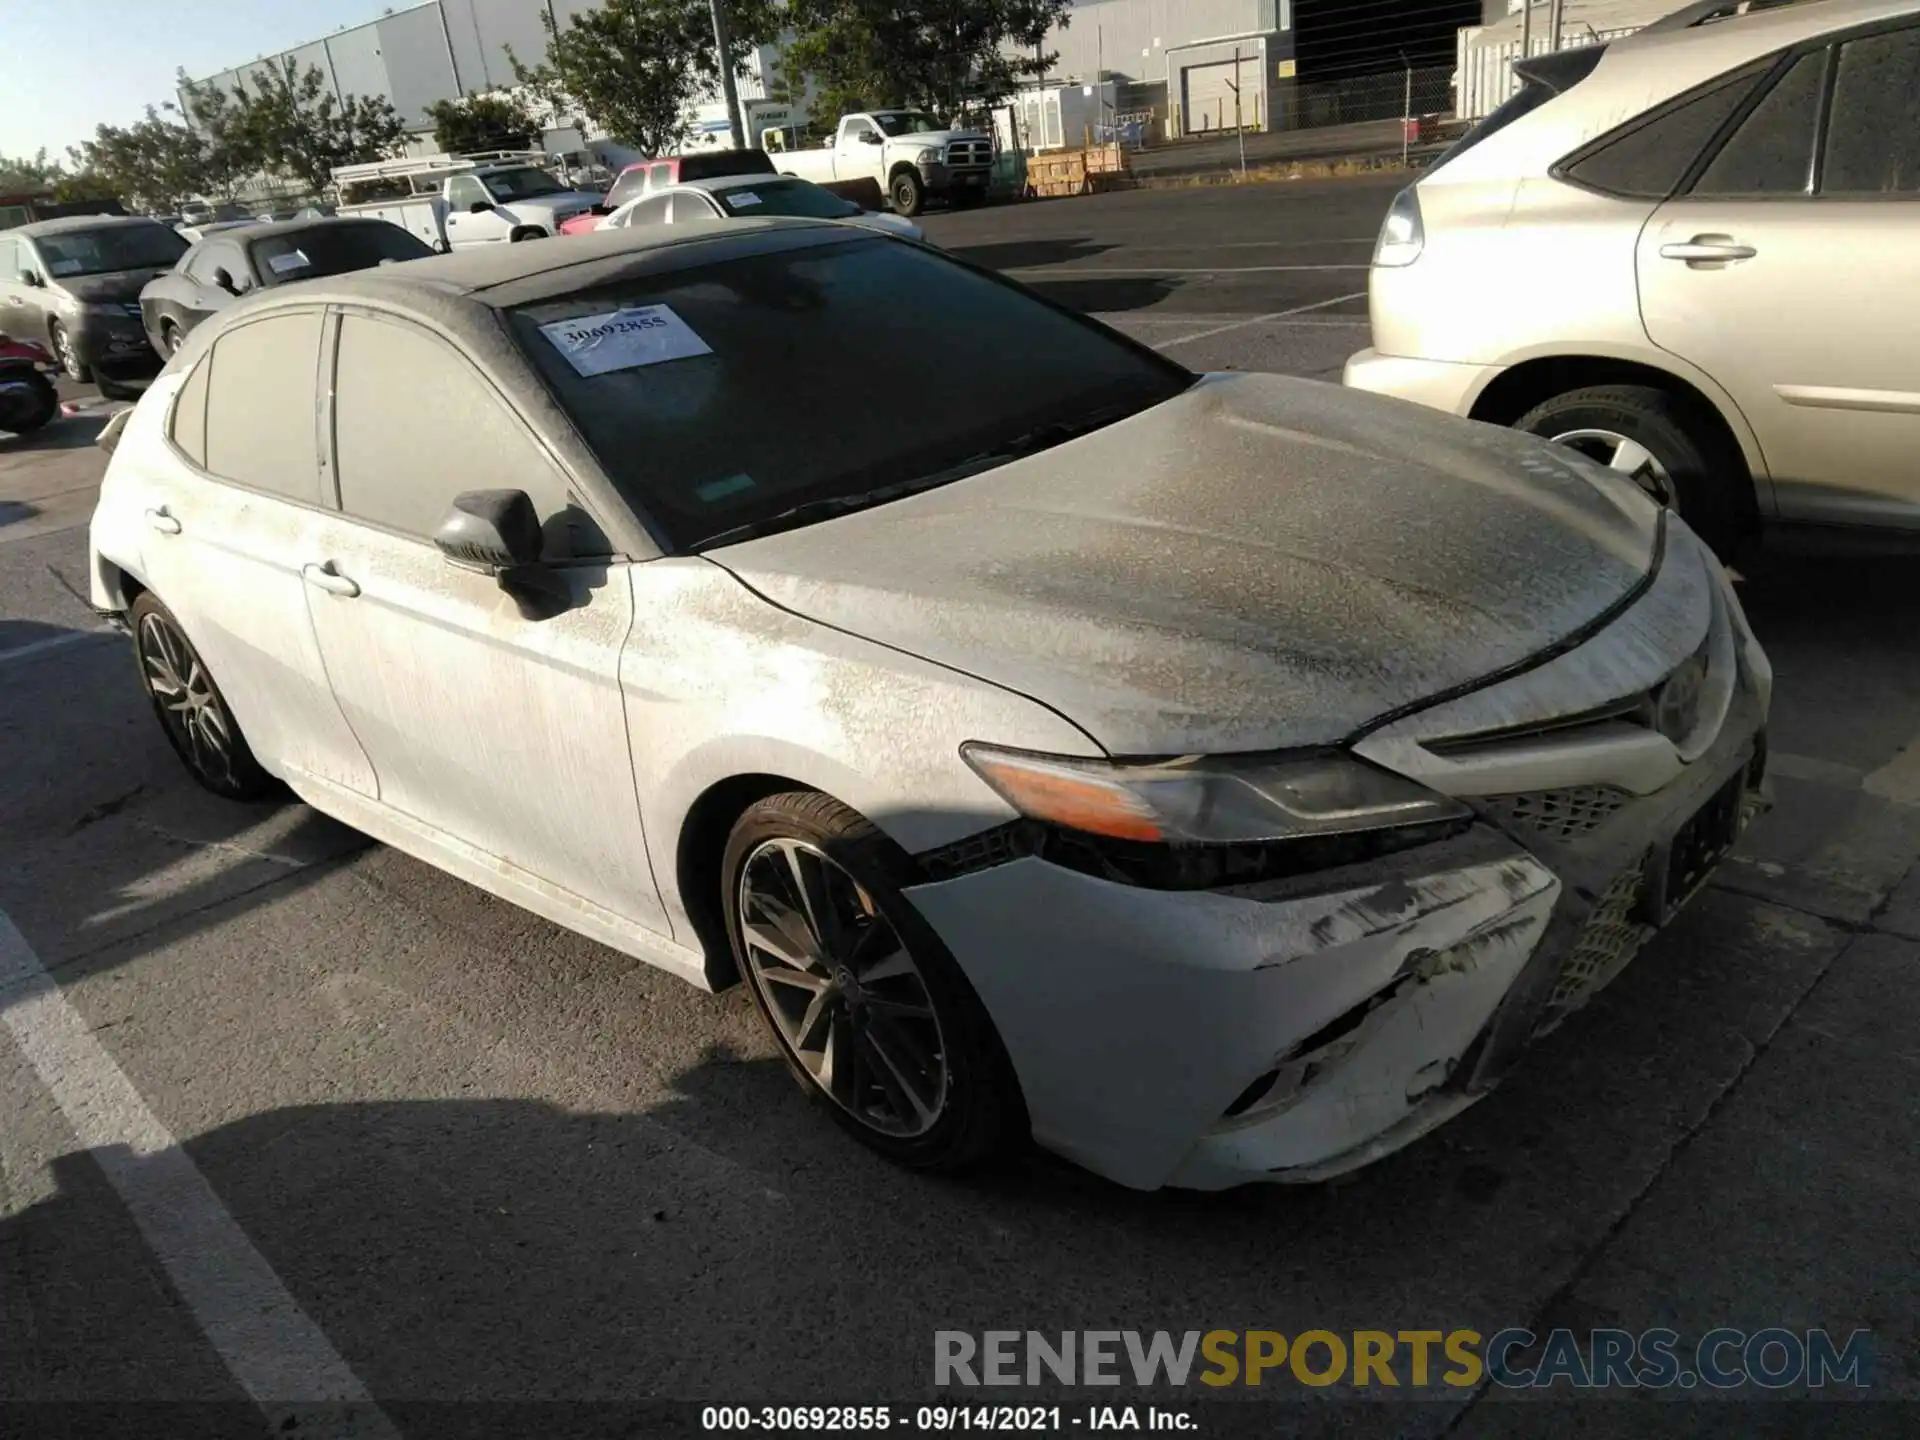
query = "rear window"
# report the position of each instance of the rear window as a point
(333, 250)
(68, 253)
(729, 393)
(785, 197)
(1541, 79)
(716, 163)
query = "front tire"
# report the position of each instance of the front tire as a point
(190, 707)
(170, 339)
(67, 354)
(872, 1015)
(907, 194)
(1661, 443)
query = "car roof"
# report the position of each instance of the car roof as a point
(67, 223)
(271, 229)
(1687, 48)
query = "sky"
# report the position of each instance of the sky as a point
(69, 65)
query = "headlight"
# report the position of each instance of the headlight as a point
(1403, 236)
(1199, 801)
(932, 157)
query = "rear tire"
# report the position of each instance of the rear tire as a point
(906, 193)
(190, 707)
(1690, 462)
(33, 414)
(527, 232)
(170, 339)
(876, 1021)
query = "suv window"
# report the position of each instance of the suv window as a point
(1772, 151)
(189, 430)
(403, 475)
(725, 405)
(260, 415)
(1873, 136)
(1648, 160)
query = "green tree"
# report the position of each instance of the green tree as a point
(286, 122)
(483, 122)
(153, 164)
(938, 55)
(635, 67)
(29, 174)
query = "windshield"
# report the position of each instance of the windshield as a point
(786, 197)
(521, 184)
(907, 122)
(333, 250)
(120, 247)
(727, 394)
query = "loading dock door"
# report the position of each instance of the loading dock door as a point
(1207, 99)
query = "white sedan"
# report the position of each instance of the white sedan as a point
(753, 197)
(1216, 777)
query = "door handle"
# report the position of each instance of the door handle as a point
(330, 580)
(163, 522)
(1708, 248)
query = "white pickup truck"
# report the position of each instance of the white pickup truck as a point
(454, 202)
(907, 152)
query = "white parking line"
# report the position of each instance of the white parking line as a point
(57, 642)
(276, 1353)
(1260, 320)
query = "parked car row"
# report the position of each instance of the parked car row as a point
(1689, 254)
(1178, 769)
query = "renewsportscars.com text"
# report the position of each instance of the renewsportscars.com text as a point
(1771, 1358)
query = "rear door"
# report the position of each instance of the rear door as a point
(228, 525)
(1788, 267)
(503, 731)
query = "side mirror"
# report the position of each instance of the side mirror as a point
(869, 138)
(479, 207)
(224, 280)
(31, 277)
(494, 531)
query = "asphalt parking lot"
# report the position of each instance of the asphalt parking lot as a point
(287, 1115)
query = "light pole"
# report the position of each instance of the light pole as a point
(727, 90)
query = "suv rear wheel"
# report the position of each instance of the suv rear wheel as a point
(1660, 443)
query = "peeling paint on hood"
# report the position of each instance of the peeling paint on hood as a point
(1256, 564)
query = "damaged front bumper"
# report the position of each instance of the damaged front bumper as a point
(1299, 1029)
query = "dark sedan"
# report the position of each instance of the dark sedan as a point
(75, 283)
(231, 263)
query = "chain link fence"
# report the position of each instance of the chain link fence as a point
(1393, 95)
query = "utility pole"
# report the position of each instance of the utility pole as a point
(1526, 27)
(727, 89)
(1239, 128)
(1554, 14)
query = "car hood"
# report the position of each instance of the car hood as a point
(1256, 564)
(116, 285)
(935, 137)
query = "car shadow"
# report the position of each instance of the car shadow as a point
(1094, 296)
(65, 433)
(1027, 254)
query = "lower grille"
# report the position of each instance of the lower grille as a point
(1610, 938)
(1560, 814)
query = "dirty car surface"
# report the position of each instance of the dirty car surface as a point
(1222, 778)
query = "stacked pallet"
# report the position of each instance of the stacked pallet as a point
(1078, 172)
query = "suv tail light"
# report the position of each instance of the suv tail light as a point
(1402, 237)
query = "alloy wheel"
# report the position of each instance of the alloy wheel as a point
(1628, 456)
(183, 692)
(849, 1002)
(63, 348)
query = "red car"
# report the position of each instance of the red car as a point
(644, 175)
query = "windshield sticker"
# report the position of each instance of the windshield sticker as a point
(624, 339)
(744, 197)
(292, 260)
(65, 267)
(721, 489)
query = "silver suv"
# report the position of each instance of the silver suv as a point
(1693, 254)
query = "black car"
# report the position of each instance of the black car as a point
(230, 263)
(75, 283)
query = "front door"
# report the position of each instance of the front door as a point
(228, 531)
(467, 227)
(504, 732)
(1787, 271)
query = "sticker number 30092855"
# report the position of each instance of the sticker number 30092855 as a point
(624, 339)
